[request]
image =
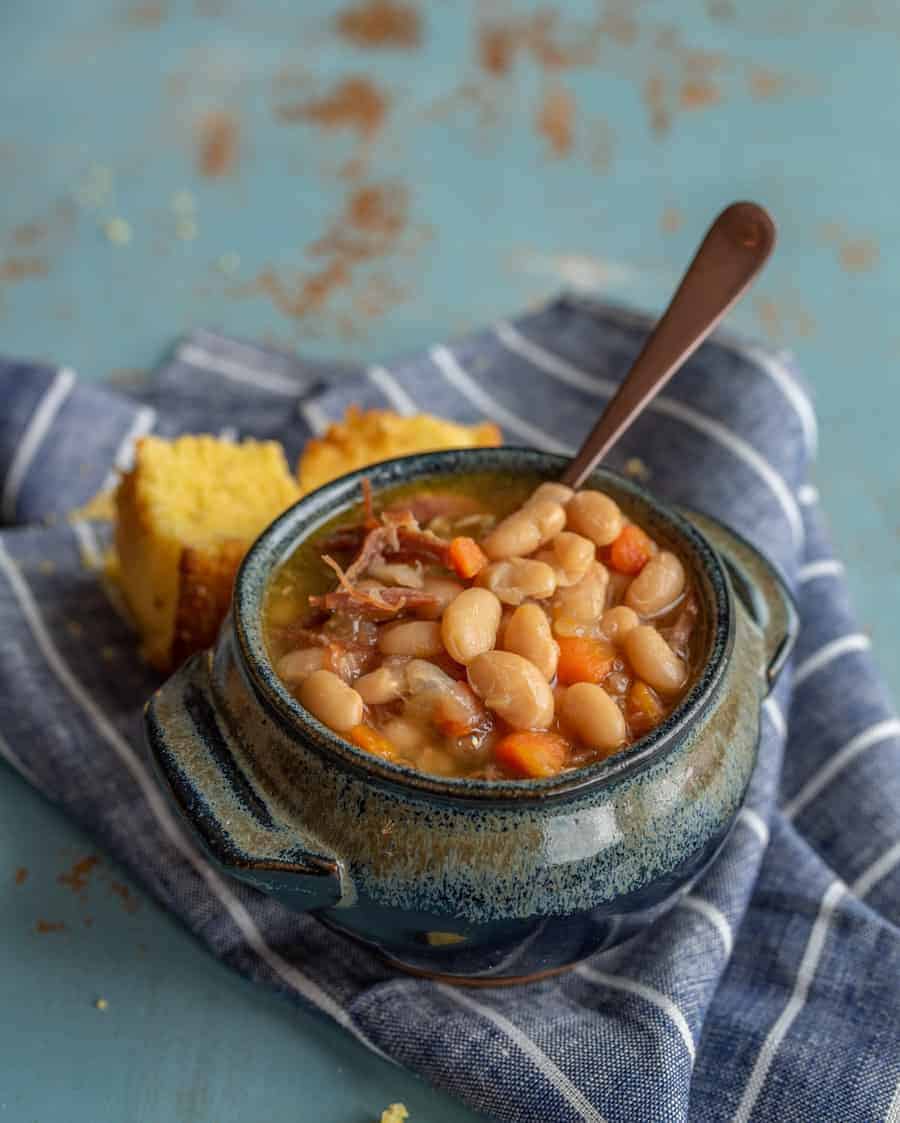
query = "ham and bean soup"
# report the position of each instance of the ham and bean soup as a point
(486, 626)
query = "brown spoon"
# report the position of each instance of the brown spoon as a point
(735, 248)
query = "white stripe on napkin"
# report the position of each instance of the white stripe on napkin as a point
(811, 955)
(450, 368)
(715, 917)
(194, 356)
(37, 428)
(843, 645)
(392, 390)
(880, 731)
(542, 1062)
(827, 567)
(649, 994)
(878, 870)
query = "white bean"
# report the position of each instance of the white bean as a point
(528, 634)
(659, 584)
(298, 665)
(525, 530)
(582, 603)
(594, 515)
(558, 493)
(570, 555)
(406, 736)
(419, 638)
(332, 701)
(444, 589)
(381, 686)
(654, 661)
(513, 688)
(593, 716)
(470, 623)
(517, 579)
(398, 573)
(617, 622)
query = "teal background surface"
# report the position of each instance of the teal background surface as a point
(281, 172)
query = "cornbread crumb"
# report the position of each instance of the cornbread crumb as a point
(118, 231)
(101, 1004)
(365, 438)
(186, 514)
(443, 939)
(229, 263)
(101, 508)
(636, 469)
(396, 1113)
(186, 228)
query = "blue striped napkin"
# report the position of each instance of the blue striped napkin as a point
(772, 992)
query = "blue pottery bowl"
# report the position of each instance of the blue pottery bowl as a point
(471, 881)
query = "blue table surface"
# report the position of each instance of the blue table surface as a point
(173, 164)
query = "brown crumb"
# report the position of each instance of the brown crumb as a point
(129, 901)
(371, 223)
(29, 233)
(698, 93)
(77, 877)
(44, 926)
(15, 269)
(721, 10)
(655, 100)
(859, 256)
(765, 85)
(769, 316)
(380, 23)
(671, 220)
(555, 120)
(218, 136)
(497, 47)
(147, 15)
(355, 103)
(21, 875)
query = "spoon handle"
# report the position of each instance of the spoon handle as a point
(735, 248)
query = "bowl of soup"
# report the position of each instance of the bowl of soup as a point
(477, 721)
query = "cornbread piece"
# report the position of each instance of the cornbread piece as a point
(396, 1113)
(364, 438)
(185, 516)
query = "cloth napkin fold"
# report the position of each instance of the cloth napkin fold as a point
(772, 992)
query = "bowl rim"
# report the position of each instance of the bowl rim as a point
(281, 537)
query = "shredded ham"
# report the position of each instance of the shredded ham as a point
(360, 602)
(398, 538)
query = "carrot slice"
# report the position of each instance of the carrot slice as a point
(582, 659)
(466, 557)
(365, 737)
(532, 755)
(643, 709)
(631, 551)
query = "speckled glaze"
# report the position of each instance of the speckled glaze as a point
(476, 881)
